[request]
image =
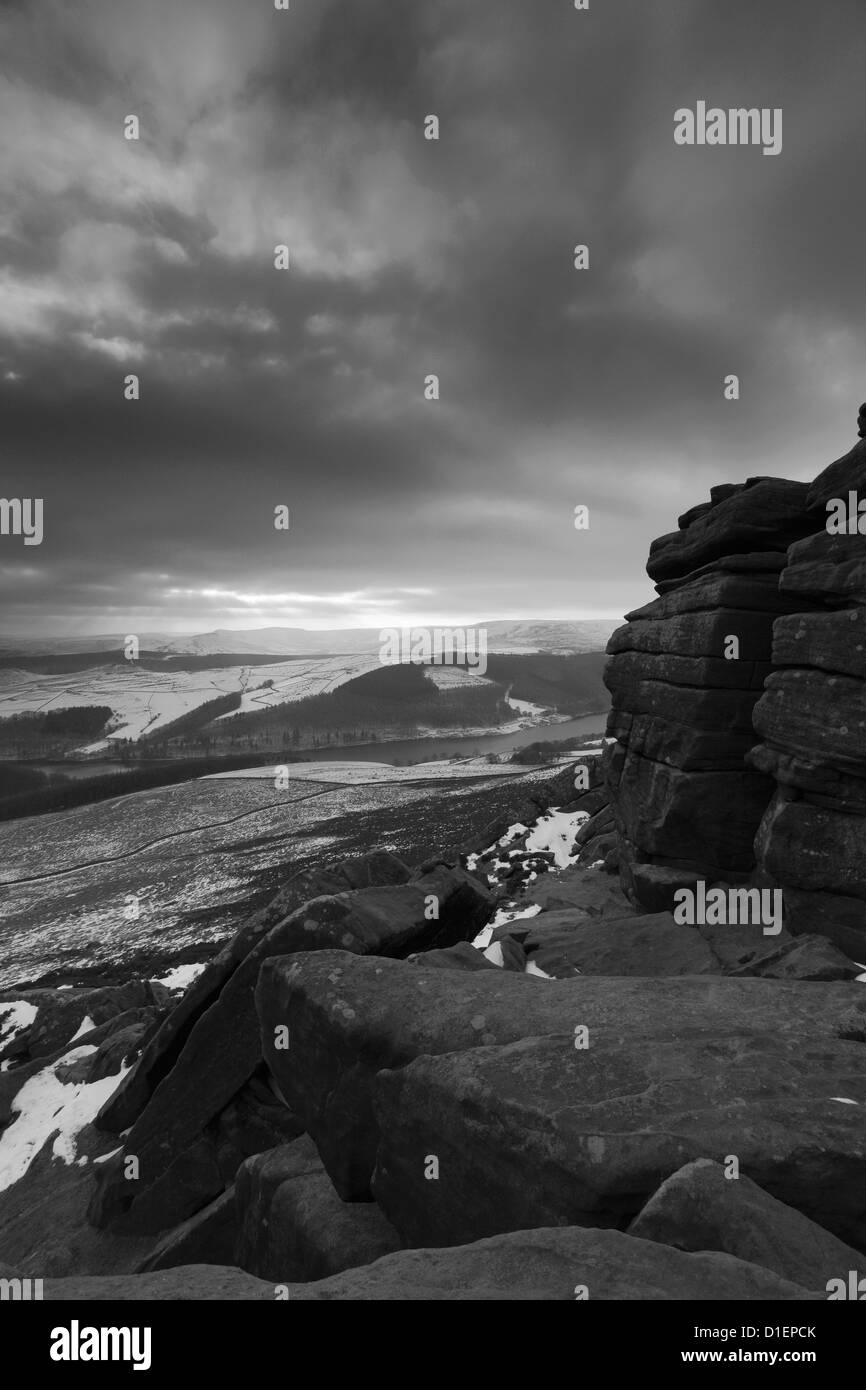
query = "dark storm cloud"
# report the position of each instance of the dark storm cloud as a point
(408, 257)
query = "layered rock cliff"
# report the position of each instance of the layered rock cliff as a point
(739, 705)
(812, 720)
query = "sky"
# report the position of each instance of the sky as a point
(305, 388)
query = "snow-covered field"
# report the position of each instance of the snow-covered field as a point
(143, 701)
(160, 870)
(365, 774)
(450, 677)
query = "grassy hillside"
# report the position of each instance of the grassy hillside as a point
(390, 702)
(52, 734)
(568, 684)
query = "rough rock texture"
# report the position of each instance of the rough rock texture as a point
(206, 1238)
(812, 719)
(178, 1165)
(699, 1208)
(535, 1265)
(684, 801)
(61, 1013)
(749, 764)
(350, 1017)
(563, 944)
(292, 1225)
(540, 1132)
(125, 1106)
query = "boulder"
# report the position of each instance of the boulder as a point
(698, 1208)
(124, 1107)
(539, 1265)
(463, 956)
(563, 945)
(842, 919)
(741, 947)
(253, 1121)
(377, 869)
(541, 1132)
(120, 1045)
(582, 889)
(222, 1048)
(806, 958)
(348, 1017)
(597, 824)
(183, 1284)
(60, 1013)
(208, 1238)
(293, 1226)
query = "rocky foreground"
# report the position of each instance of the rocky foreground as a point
(520, 1074)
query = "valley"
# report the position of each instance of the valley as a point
(199, 857)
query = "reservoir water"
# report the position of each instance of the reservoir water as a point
(414, 750)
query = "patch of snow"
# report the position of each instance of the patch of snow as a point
(503, 915)
(103, 1158)
(494, 953)
(512, 833)
(533, 969)
(524, 707)
(555, 833)
(45, 1107)
(844, 1100)
(180, 976)
(14, 1018)
(449, 677)
(85, 1026)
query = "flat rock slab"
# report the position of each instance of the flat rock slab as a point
(592, 892)
(541, 1133)
(536, 1265)
(698, 1208)
(348, 1017)
(805, 958)
(563, 944)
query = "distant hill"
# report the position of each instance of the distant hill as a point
(503, 635)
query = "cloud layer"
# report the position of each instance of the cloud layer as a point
(305, 387)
